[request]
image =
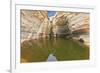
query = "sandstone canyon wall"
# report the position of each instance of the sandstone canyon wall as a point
(74, 24)
(37, 23)
(73, 21)
(33, 23)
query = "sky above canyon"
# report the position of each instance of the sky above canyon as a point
(51, 13)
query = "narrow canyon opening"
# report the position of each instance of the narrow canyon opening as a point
(37, 24)
(54, 34)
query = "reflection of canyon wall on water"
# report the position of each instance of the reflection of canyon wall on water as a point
(53, 50)
(36, 24)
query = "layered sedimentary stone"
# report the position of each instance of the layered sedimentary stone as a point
(75, 21)
(36, 24)
(33, 23)
(79, 25)
(71, 23)
(60, 24)
(80, 22)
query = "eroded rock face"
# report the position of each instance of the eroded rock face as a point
(80, 22)
(74, 21)
(61, 24)
(33, 23)
(36, 24)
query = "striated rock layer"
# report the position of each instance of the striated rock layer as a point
(33, 23)
(74, 24)
(74, 21)
(36, 24)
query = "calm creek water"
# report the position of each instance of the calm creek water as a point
(57, 49)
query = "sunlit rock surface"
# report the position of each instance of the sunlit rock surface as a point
(73, 21)
(70, 23)
(33, 23)
(37, 24)
(60, 24)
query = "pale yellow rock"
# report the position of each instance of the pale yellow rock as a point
(75, 21)
(36, 23)
(33, 22)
